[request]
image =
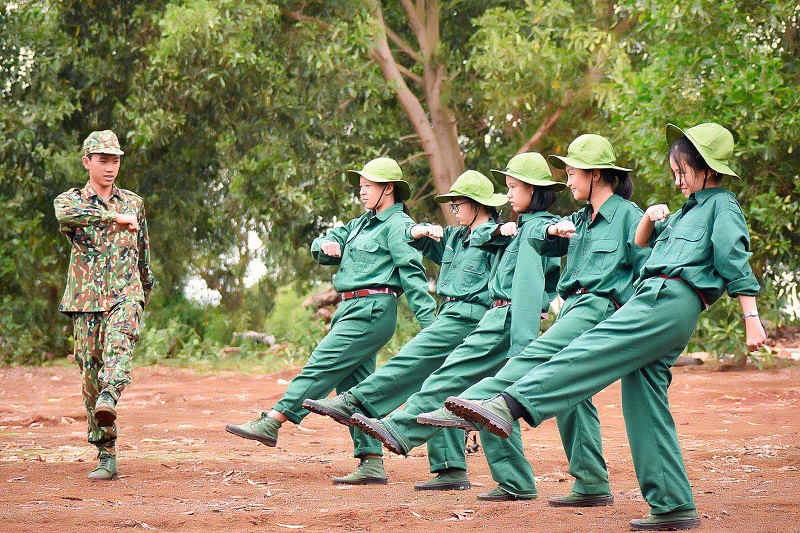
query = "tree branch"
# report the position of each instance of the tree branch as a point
(416, 25)
(625, 25)
(404, 46)
(410, 75)
(546, 125)
(300, 17)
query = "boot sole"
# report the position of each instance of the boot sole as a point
(112, 478)
(676, 525)
(376, 432)
(269, 441)
(320, 409)
(466, 425)
(588, 502)
(478, 415)
(456, 485)
(105, 416)
(484, 497)
(368, 481)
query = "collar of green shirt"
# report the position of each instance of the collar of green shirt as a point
(389, 211)
(700, 197)
(607, 210)
(525, 217)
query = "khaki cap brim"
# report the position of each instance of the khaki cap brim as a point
(402, 190)
(674, 133)
(539, 182)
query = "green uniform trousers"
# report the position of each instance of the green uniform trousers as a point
(638, 344)
(403, 375)
(345, 357)
(104, 344)
(481, 354)
(579, 426)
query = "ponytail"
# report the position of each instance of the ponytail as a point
(624, 184)
(405, 207)
(494, 214)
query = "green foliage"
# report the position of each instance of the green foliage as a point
(240, 118)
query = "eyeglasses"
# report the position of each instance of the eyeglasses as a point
(454, 207)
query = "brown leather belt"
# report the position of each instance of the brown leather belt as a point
(500, 303)
(700, 294)
(360, 293)
(582, 290)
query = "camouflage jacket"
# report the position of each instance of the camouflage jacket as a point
(107, 263)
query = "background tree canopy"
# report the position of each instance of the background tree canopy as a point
(240, 118)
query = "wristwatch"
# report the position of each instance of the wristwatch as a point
(750, 313)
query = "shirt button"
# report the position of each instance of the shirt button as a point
(588, 231)
(583, 253)
(575, 272)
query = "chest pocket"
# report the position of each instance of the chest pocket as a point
(472, 275)
(686, 241)
(508, 262)
(603, 256)
(364, 253)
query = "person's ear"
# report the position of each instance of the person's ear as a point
(85, 162)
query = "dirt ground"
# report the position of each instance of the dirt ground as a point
(180, 471)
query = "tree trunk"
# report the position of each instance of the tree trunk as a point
(437, 128)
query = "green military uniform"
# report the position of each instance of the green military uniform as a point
(602, 263)
(702, 249)
(463, 282)
(375, 253)
(108, 283)
(520, 277)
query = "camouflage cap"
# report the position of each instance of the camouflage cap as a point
(101, 142)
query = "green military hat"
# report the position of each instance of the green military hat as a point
(531, 168)
(102, 142)
(588, 151)
(383, 170)
(714, 142)
(475, 186)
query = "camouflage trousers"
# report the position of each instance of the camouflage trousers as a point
(104, 345)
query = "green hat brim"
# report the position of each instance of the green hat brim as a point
(674, 133)
(402, 190)
(495, 200)
(538, 182)
(561, 162)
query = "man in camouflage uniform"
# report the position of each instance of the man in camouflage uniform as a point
(108, 285)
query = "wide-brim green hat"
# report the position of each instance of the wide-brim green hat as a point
(714, 142)
(382, 170)
(531, 168)
(475, 186)
(588, 151)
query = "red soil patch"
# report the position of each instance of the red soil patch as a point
(180, 471)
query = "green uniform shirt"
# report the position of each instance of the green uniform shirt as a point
(465, 265)
(521, 275)
(602, 256)
(107, 264)
(375, 254)
(706, 243)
